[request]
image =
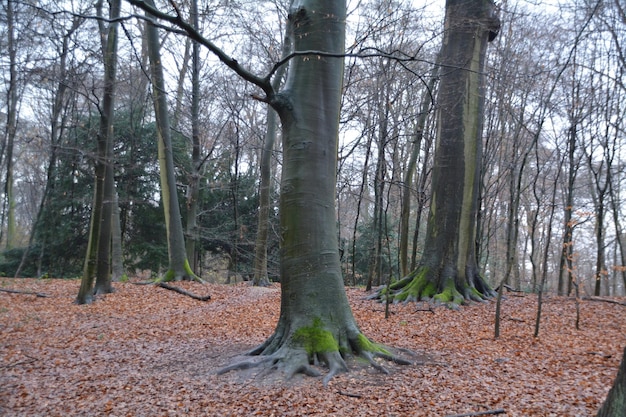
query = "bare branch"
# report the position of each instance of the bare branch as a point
(193, 33)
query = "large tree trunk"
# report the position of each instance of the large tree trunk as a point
(316, 322)
(615, 403)
(105, 149)
(178, 265)
(448, 270)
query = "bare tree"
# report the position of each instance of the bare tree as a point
(178, 268)
(97, 258)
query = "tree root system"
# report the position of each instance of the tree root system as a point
(424, 285)
(297, 355)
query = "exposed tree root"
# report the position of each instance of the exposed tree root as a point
(304, 350)
(423, 285)
(187, 275)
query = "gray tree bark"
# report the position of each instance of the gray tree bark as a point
(97, 259)
(11, 128)
(178, 268)
(196, 163)
(424, 110)
(448, 271)
(316, 324)
(615, 403)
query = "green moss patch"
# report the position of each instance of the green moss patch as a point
(450, 295)
(417, 288)
(315, 339)
(365, 345)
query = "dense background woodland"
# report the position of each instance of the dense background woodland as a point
(552, 178)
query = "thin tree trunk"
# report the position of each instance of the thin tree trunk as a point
(265, 182)
(117, 252)
(180, 87)
(565, 263)
(98, 249)
(178, 268)
(196, 163)
(619, 231)
(422, 199)
(11, 127)
(546, 252)
(368, 151)
(427, 102)
(374, 264)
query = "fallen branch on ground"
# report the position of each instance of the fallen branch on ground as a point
(480, 413)
(20, 363)
(382, 311)
(605, 300)
(38, 294)
(183, 292)
(348, 394)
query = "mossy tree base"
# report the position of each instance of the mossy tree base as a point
(304, 349)
(173, 275)
(423, 285)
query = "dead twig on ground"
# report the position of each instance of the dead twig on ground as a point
(183, 292)
(38, 294)
(605, 300)
(348, 394)
(479, 413)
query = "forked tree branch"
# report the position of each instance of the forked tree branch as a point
(264, 82)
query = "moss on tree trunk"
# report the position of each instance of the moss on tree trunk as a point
(179, 268)
(316, 325)
(448, 271)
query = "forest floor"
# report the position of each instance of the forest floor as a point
(147, 351)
